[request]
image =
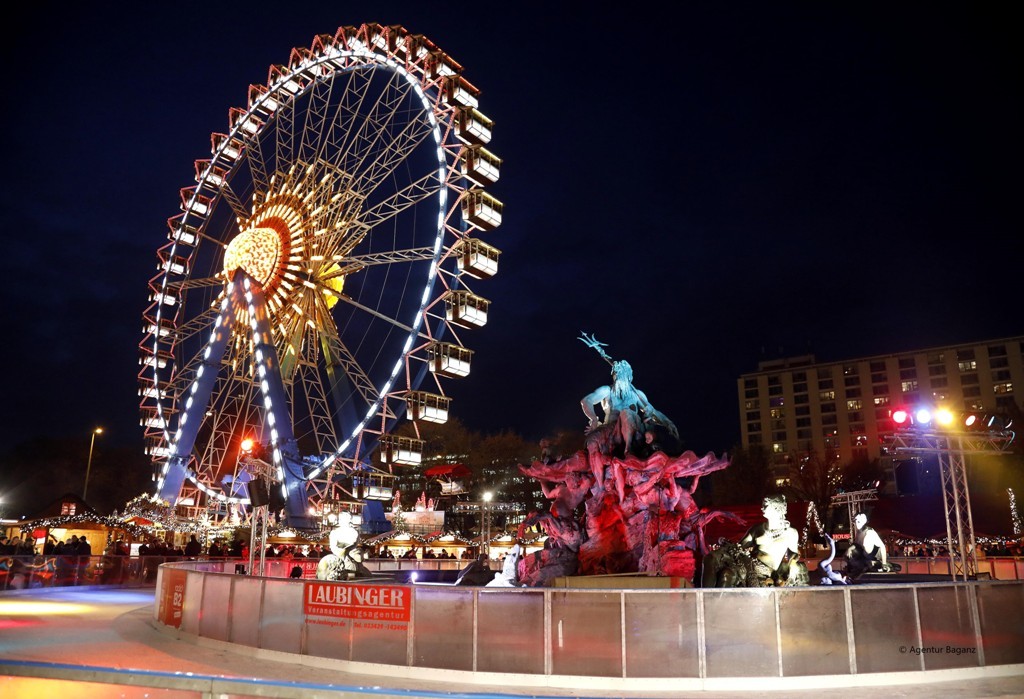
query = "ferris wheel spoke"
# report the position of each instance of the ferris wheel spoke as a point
(310, 387)
(257, 163)
(362, 142)
(376, 147)
(227, 421)
(316, 120)
(202, 282)
(234, 201)
(410, 195)
(198, 324)
(366, 309)
(354, 263)
(337, 137)
(339, 356)
(394, 154)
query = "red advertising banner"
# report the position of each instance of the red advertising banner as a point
(172, 597)
(351, 601)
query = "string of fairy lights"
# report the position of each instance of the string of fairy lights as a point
(1014, 514)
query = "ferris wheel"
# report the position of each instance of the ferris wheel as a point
(317, 283)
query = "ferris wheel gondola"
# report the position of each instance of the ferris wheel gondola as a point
(319, 278)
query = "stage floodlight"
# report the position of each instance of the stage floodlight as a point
(901, 417)
(943, 417)
(922, 416)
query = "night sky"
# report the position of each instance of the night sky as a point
(702, 188)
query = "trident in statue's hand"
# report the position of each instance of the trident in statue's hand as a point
(593, 343)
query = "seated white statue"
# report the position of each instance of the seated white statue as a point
(867, 550)
(775, 545)
(345, 560)
(509, 570)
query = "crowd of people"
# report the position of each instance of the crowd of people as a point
(1008, 547)
(427, 554)
(19, 546)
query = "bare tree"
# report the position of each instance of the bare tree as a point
(815, 478)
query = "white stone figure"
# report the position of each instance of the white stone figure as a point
(509, 570)
(829, 576)
(867, 550)
(345, 560)
(774, 544)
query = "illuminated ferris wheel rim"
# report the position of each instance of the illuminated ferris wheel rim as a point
(289, 87)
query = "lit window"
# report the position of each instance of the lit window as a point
(778, 448)
(827, 395)
(969, 365)
(1006, 387)
(881, 400)
(853, 405)
(908, 386)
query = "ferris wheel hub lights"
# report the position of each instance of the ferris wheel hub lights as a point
(256, 251)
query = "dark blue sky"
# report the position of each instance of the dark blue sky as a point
(702, 188)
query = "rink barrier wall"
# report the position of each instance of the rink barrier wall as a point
(633, 634)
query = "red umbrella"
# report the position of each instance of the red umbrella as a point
(449, 470)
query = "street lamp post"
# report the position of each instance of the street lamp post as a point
(88, 466)
(487, 523)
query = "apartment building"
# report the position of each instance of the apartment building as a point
(797, 405)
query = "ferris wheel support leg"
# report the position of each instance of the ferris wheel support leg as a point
(287, 461)
(176, 469)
